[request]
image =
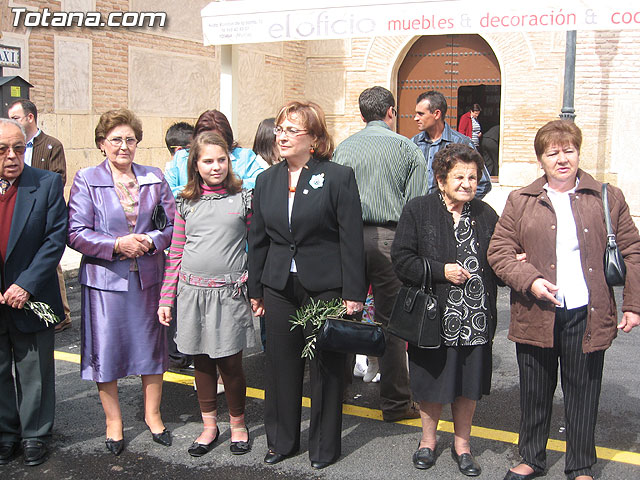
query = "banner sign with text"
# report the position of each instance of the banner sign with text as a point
(256, 21)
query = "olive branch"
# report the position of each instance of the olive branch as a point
(43, 311)
(315, 312)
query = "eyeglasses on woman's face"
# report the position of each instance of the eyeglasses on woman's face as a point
(118, 141)
(289, 132)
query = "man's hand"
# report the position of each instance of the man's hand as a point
(15, 296)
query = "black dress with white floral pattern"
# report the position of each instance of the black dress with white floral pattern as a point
(465, 318)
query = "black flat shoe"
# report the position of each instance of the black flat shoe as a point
(271, 458)
(115, 446)
(8, 451)
(519, 476)
(163, 438)
(466, 463)
(35, 452)
(199, 449)
(320, 465)
(242, 447)
(424, 458)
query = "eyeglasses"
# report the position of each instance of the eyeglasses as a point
(17, 149)
(394, 111)
(117, 141)
(289, 131)
(17, 118)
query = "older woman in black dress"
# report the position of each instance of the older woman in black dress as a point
(451, 230)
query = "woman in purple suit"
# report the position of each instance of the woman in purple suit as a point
(110, 223)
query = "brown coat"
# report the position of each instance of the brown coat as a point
(528, 224)
(48, 154)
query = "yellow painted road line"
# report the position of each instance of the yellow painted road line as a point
(621, 456)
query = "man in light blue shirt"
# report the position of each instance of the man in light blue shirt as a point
(431, 108)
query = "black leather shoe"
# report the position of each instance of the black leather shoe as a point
(8, 451)
(114, 446)
(320, 465)
(424, 458)
(519, 476)
(35, 452)
(163, 438)
(240, 448)
(466, 463)
(271, 458)
(199, 449)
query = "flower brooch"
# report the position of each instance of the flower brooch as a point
(317, 181)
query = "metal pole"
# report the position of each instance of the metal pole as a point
(568, 112)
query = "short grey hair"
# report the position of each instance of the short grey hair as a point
(9, 121)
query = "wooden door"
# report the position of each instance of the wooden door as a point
(454, 65)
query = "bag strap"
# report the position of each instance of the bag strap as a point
(607, 216)
(426, 276)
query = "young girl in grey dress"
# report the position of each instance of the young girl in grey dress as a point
(207, 271)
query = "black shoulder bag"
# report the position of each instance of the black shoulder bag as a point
(415, 316)
(615, 270)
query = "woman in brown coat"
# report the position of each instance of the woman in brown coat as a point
(548, 246)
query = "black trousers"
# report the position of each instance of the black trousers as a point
(285, 372)
(581, 380)
(31, 416)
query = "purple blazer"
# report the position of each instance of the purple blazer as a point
(96, 218)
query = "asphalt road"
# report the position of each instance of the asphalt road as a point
(371, 448)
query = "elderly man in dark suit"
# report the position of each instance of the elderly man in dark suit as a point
(33, 226)
(45, 152)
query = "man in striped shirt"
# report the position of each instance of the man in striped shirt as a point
(390, 170)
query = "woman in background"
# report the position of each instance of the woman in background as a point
(264, 143)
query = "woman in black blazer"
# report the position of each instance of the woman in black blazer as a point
(305, 242)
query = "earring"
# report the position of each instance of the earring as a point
(312, 150)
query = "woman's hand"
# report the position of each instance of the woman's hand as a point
(164, 315)
(352, 307)
(257, 305)
(133, 245)
(545, 290)
(455, 273)
(629, 320)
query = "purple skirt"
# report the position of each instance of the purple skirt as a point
(121, 334)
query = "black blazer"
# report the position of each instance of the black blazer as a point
(36, 243)
(325, 239)
(425, 229)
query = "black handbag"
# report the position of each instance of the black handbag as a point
(159, 217)
(415, 316)
(615, 270)
(351, 336)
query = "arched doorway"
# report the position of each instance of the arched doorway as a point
(462, 67)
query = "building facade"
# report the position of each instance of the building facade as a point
(165, 74)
